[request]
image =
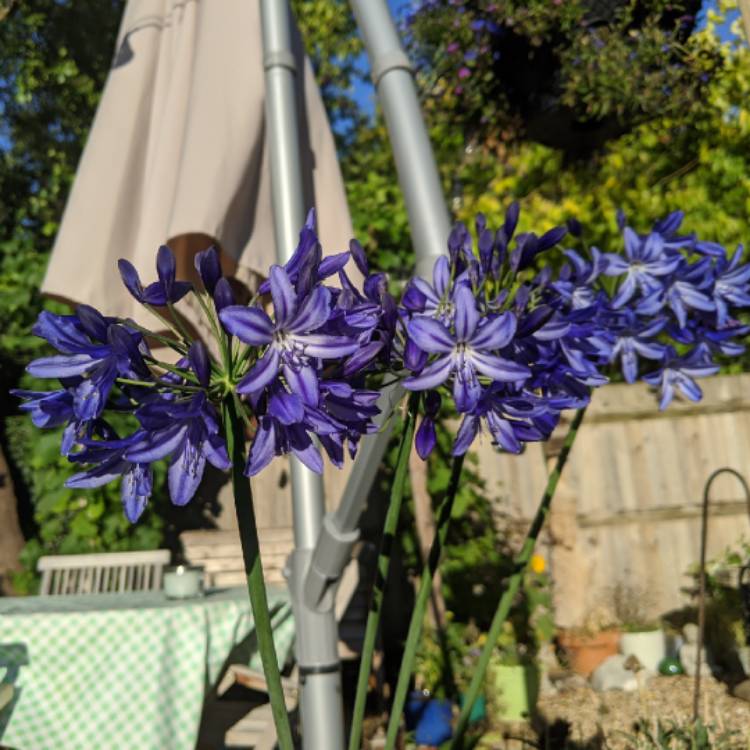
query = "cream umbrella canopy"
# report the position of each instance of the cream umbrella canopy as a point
(177, 154)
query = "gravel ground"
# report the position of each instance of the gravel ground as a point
(581, 719)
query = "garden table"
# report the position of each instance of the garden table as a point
(121, 671)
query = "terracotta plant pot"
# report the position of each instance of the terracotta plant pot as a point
(586, 652)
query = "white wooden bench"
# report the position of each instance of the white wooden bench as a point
(102, 573)
(220, 553)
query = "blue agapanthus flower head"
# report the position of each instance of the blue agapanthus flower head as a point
(295, 371)
(673, 310)
(510, 345)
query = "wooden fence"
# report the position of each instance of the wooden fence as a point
(627, 512)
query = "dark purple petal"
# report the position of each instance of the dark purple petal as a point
(502, 432)
(262, 373)
(166, 267)
(208, 265)
(303, 381)
(413, 299)
(248, 324)
(466, 434)
(362, 357)
(432, 376)
(263, 448)
(185, 473)
(286, 407)
(302, 447)
(466, 390)
(179, 290)
(495, 334)
(511, 219)
(61, 366)
(64, 332)
(432, 404)
(430, 335)
(326, 347)
(332, 264)
(125, 348)
(499, 369)
(130, 278)
(155, 295)
(426, 438)
(467, 315)
(97, 476)
(92, 322)
(414, 358)
(551, 238)
(157, 445)
(223, 295)
(92, 394)
(284, 296)
(135, 491)
(216, 452)
(200, 362)
(441, 275)
(313, 313)
(360, 258)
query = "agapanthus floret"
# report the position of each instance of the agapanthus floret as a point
(187, 430)
(678, 374)
(465, 351)
(644, 265)
(106, 463)
(731, 287)
(95, 351)
(307, 267)
(162, 292)
(295, 340)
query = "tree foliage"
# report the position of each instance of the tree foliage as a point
(55, 58)
(56, 55)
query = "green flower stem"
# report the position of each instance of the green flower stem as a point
(423, 595)
(181, 371)
(179, 324)
(171, 343)
(168, 323)
(384, 560)
(520, 564)
(255, 584)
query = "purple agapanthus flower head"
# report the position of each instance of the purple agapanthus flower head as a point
(674, 306)
(296, 374)
(508, 344)
(314, 332)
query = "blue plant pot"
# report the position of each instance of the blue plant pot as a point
(434, 725)
(415, 706)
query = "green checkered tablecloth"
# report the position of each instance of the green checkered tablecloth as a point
(120, 671)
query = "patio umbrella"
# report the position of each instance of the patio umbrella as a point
(178, 154)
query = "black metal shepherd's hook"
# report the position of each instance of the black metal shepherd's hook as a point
(702, 584)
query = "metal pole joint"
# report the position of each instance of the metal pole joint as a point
(279, 59)
(332, 552)
(388, 61)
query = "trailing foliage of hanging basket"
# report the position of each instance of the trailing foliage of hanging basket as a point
(567, 74)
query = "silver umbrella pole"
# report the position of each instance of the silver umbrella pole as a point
(429, 222)
(316, 644)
